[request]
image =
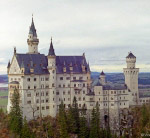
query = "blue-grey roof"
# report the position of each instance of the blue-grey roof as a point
(102, 73)
(39, 63)
(74, 61)
(51, 50)
(32, 29)
(116, 87)
(130, 55)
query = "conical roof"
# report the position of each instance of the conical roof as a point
(130, 55)
(51, 49)
(102, 73)
(32, 29)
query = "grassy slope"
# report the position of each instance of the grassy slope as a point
(3, 101)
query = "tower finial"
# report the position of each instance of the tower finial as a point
(51, 38)
(32, 17)
(14, 50)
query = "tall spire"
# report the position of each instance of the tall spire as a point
(51, 49)
(32, 28)
(32, 40)
(8, 64)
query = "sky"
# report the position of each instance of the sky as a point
(105, 30)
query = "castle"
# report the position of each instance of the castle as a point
(46, 80)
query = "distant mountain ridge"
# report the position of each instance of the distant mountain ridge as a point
(144, 78)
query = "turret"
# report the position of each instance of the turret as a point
(131, 78)
(51, 56)
(32, 40)
(102, 78)
(52, 79)
(130, 60)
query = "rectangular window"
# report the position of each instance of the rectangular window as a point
(68, 92)
(28, 87)
(67, 78)
(46, 93)
(29, 95)
(64, 85)
(28, 102)
(28, 79)
(68, 85)
(42, 101)
(74, 78)
(47, 107)
(61, 78)
(53, 85)
(83, 84)
(47, 79)
(47, 100)
(63, 92)
(80, 78)
(57, 93)
(34, 87)
(37, 101)
(74, 85)
(37, 108)
(34, 79)
(37, 94)
(59, 85)
(43, 108)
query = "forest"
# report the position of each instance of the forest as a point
(70, 123)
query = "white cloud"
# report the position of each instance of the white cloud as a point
(111, 28)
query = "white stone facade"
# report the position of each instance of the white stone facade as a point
(45, 81)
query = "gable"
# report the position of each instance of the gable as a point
(14, 67)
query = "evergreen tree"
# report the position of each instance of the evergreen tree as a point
(50, 131)
(15, 116)
(75, 113)
(71, 122)
(62, 122)
(25, 132)
(145, 116)
(95, 123)
(83, 131)
(93, 133)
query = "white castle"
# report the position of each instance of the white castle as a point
(46, 80)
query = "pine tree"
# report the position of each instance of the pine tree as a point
(83, 131)
(93, 133)
(71, 121)
(145, 116)
(25, 132)
(75, 113)
(62, 122)
(15, 116)
(95, 123)
(50, 131)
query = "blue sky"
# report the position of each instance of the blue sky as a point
(105, 30)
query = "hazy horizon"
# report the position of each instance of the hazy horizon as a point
(105, 30)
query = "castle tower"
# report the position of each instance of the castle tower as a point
(102, 78)
(32, 40)
(52, 79)
(131, 78)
